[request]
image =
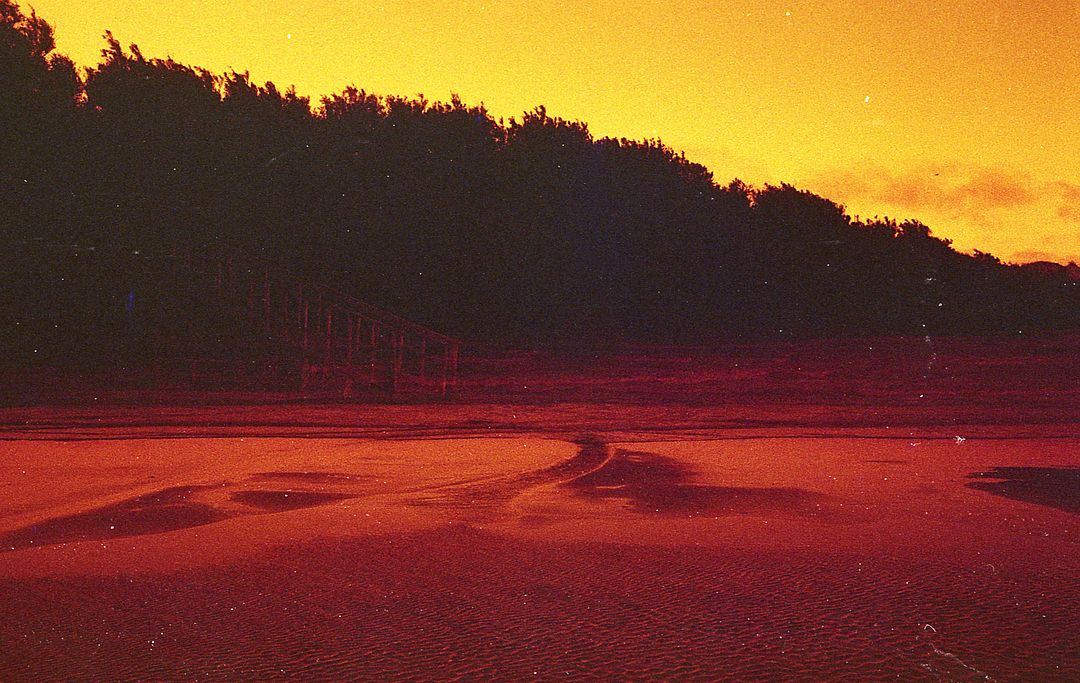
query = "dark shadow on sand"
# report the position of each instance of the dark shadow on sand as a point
(1056, 487)
(165, 510)
(153, 513)
(654, 483)
(282, 501)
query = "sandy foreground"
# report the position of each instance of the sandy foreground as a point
(558, 544)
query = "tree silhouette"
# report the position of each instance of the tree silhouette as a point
(531, 231)
(39, 93)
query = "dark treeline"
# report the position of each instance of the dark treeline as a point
(531, 231)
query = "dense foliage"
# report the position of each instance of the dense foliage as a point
(527, 231)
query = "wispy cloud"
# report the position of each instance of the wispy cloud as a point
(1010, 213)
(1069, 208)
(1031, 255)
(951, 189)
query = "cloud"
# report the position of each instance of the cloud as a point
(955, 190)
(1064, 257)
(1031, 255)
(1069, 208)
(1009, 213)
(951, 189)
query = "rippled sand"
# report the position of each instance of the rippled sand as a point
(541, 556)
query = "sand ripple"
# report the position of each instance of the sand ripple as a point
(462, 604)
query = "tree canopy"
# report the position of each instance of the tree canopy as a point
(528, 231)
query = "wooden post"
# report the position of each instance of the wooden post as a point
(398, 342)
(444, 379)
(328, 344)
(373, 353)
(306, 307)
(301, 308)
(452, 380)
(423, 357)
(285, 331)
(266, 300)
(359, 343)
(349, 342)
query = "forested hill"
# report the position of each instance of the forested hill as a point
(527, 231)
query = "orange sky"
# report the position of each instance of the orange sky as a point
(965, 114)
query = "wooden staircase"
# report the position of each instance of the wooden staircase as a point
(338, 342)
(221, 318)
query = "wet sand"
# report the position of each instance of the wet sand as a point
(689, 554)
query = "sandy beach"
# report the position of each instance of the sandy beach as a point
(905, 510)
(538, 554)
(683, 342)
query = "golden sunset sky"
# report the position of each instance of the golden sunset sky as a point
(964, 114)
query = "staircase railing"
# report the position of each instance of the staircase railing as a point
(334, 339)
(341, 339)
